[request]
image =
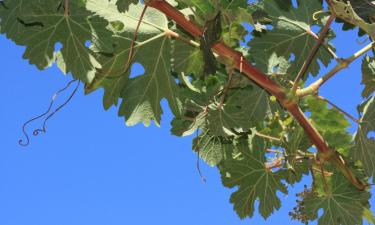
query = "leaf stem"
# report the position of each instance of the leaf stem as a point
(339, 109)
(66, 8)
(325, 184)
(325, 45)
(267, 137)
(312, 54)
(275, 151)
(342, 64)
(226, 89)
(173, 34)
(135, 35)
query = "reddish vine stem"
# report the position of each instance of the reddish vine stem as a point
(266, 83)
(313, 53)
(135, 36)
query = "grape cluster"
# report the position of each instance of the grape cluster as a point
(299, 212)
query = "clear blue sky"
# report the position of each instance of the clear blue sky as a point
(90, 169)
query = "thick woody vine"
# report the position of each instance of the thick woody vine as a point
(288, 99)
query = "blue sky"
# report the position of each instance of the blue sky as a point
(90, 169)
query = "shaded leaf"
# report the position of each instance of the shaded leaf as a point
(331, 123)
(288, 37)
(364, 146)
(123, 5)
(243, 109)
(254, 181)
(368, 76)
(344, 204)
(210, 148)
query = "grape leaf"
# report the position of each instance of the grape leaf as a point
(184, 127)
(123, 5)
(344, 204)
(186, 60)
(331, 123)
(243, 109)
(368, 76)
(142, 94)
(364, 146)
(296, 142)
(203, 9)
(40, 25)
(210, 148)
(289, 36)
(254, 181)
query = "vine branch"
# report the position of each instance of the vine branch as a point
(313, 53)
(342, 64)
(266, 83)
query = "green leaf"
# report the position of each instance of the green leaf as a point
(364, 146)
(153, 22)
(331, 123)
(210, 148)
(123, 5)
(368, 76)
(203, 9)
(254, 181)
(235, 14)
(296, 143)
(184, 127)
(40, 25)
(243, 109)
(141, 95)
(344, 204)
(186, 60)
(288, 37)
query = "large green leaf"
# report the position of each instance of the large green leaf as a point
(41, 25)
(248, 172)
(364, 146)
(289, 36)
(343, 205)
(331, 123)
(142, 94)
(368, 76)
(244, 108)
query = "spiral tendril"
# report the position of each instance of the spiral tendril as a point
(25, 142)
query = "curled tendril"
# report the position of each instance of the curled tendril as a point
(315, 15)
(203, 178)
(36, 132)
